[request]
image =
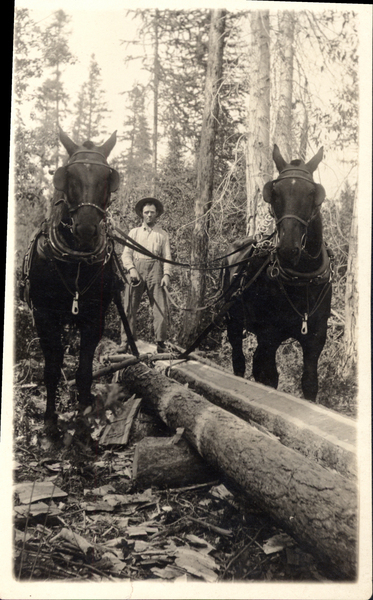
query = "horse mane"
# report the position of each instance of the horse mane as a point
(297, 162)
(89, 145)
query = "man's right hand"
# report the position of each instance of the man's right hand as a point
(134, 276)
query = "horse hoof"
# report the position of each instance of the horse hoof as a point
(51, 430)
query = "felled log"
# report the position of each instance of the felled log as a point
(323, 435)
(164, 461)
(315, 505)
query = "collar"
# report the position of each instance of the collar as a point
(149, 229)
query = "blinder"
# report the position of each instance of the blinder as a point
(319, 194)
(60, 179)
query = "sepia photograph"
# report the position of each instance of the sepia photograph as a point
(187, 348)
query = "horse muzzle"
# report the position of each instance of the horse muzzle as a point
(289, 254)
(86, 235)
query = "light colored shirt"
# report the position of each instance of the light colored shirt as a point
(154, 239)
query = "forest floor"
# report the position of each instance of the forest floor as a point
(87, 520)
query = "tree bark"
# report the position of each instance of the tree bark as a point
(317, 506)
(321, 435)
(257, 150)
(351, 297)
(159, 462)
(283, 128)
(205, 175)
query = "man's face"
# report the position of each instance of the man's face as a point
(149, 214)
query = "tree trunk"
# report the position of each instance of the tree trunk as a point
(205, 175)
(257, 150)
(316, 505)
(351, 297)
(283, 128)
(304, 426)
(155, 103)
(160, 462)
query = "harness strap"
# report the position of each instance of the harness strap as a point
(295, 177)
(85, 162)
(48, 250)
(223, 311)
(292, 277)
(65, 253)
(24, 285)
(290, 216)
(306, 315)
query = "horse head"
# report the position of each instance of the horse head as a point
(295, 201)
(86, 182)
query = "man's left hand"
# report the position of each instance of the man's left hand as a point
(165, 282)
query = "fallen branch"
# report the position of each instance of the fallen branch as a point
(214, 528)
(122, 364)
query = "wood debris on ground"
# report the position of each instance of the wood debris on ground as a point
(78, 514)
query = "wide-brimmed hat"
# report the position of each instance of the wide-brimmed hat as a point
(141, 203)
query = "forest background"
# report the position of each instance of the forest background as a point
(278, 76)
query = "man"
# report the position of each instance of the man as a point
(148, 274)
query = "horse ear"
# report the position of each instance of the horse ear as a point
(59, 179)
(280, 162)
(320, 194)
(312, 164)
(114, 180)
(68, 144)
(107, 147)
(267, 191)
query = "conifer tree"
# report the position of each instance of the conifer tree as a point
(51, 99)
(135, 161)
(91, 107)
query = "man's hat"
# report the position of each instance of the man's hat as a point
(141, 203)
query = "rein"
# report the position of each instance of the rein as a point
(235, 296)
(134, 245)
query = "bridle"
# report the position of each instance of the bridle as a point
(70, 163)
(59, 248)
(284, 175)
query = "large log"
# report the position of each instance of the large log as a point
(327, 437)
(159, 461)
(316, 505)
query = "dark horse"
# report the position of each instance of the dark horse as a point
(284, 289)
(68, 271)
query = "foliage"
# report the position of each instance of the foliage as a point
(28, 62)
(91, 107)
(325, 54)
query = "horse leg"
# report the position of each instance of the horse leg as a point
(264, 361)
(235, 335)
(312, 347)
(50, 335)
(89, 339)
